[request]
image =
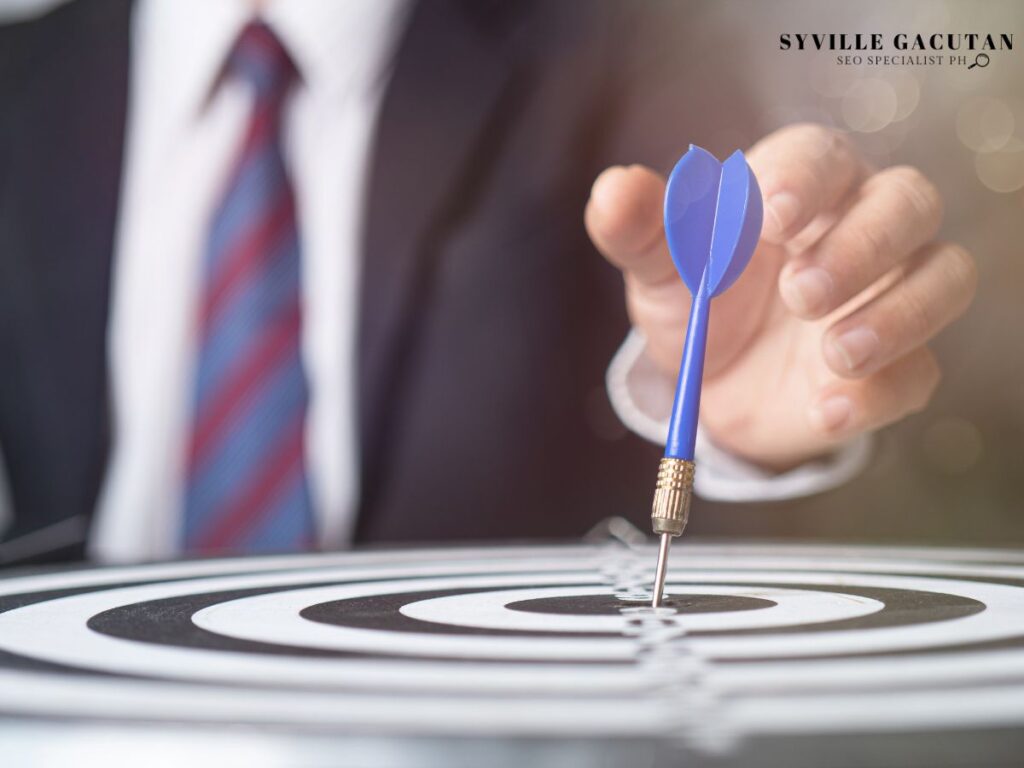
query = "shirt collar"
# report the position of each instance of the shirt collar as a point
(340, 46)
(336, 45)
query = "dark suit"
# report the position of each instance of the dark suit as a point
(487, 319)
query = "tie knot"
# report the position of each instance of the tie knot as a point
(261, 60)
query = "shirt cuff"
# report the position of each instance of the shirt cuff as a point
(641, 396)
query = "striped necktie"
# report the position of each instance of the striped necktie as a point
(246, 487)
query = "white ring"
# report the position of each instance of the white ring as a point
(488, 610)
(779, 694)
(274, 618)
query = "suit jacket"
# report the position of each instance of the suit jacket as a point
(487, 319)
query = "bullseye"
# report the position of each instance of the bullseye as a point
(780, 640)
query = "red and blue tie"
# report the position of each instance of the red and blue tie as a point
(246, 486)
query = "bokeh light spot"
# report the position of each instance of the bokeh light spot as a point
(985, 124)
(1002, 171)
(869, 105)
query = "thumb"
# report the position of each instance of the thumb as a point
(624, 220)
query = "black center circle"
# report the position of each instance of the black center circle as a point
(607, 605)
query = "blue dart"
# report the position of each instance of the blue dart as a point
(713, 215)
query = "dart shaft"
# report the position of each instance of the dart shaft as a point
(674, 487)
(682, 426)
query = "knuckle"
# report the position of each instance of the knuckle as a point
(820, 140)
(810, 131)
(916, 312)
(838, 141)
(813, 139)
(855, 256)
(962, 270)
(799, 130)
(917, 190)
(815, 162)
(872, 246)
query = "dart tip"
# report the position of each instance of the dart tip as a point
(661, 570)
(669, 511)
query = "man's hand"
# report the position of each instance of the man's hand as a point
(825, 334)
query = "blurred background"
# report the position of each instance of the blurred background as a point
(955, 473)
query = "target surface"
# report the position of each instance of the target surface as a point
(530, 642)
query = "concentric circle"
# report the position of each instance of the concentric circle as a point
(528, 641)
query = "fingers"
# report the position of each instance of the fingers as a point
(624, 219)
(847, 408)
(937, 286)
(803, 170)
(896, 211)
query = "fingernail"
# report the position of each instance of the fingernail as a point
(832, 414)
(853, 348)
(782, 209)
(807, 291)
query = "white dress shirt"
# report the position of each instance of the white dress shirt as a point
(183, 130)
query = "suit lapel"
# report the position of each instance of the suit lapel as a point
(65, 133)
(454, 68)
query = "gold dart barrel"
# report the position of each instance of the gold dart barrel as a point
(672, 494)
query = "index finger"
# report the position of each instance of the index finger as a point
(803, 170)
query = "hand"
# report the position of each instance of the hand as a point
(825, 335)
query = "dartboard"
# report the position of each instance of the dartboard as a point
(547, 643)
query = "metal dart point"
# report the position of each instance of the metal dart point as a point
(669, 512)
(659, 574)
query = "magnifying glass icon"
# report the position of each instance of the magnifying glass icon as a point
(978, 61)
